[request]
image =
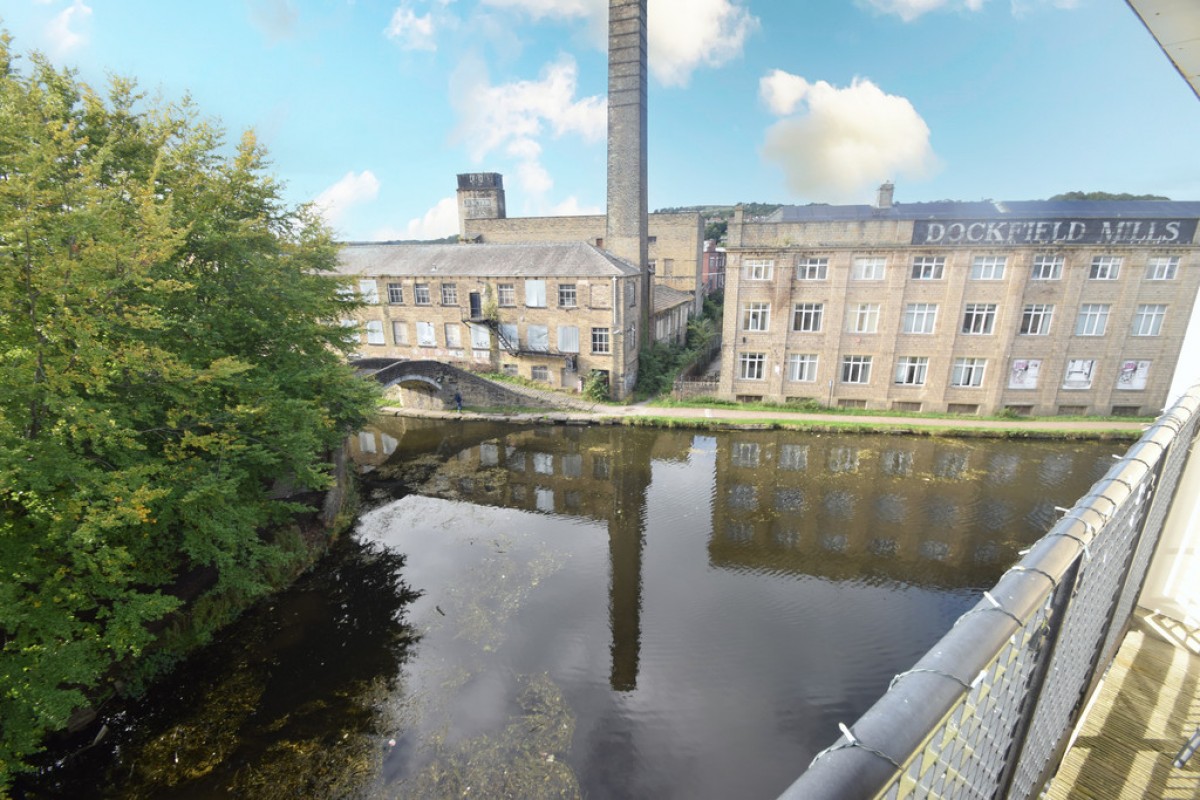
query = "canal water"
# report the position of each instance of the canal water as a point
(596, 612)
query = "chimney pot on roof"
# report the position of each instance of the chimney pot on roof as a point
(886, 191)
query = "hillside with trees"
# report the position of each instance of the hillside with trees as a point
(171, 353)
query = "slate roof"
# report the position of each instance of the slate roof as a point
(988, 209)
(545, 260)
(668, 297)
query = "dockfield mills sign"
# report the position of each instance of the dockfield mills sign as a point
(1054, 231)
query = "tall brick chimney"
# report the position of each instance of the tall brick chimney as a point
(626, 232)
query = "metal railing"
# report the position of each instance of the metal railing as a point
(988, 711)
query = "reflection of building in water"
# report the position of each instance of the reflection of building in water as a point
(597, 473)
(915, 510)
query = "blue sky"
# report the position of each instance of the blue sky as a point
(371, 108)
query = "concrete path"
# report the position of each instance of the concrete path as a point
(733, 417)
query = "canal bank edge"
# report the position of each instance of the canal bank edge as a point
(732, 419)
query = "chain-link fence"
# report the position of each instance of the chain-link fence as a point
(988, 711)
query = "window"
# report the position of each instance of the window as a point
(481, 338)
(630, 293)
(1105, 268)
(758, 269)
(1023, 374)
(864, 318)
(425, 335)
(566, 295)
(752, 366)
(812, 269)
(1046, 268)
(910, 370)
(868, 269)
(508, 335)
(539, 337)
(756, 316)
(395, 293)
(988, 268)
(1093, 318)
(928, 268)
(509, 369)
(449, 294)
(453, 335)
(968, 372)
(568, 339)
(540, 374)
(535, 294)
(375, 332)
(920, 317)
(399, 332)
(506, 295)
(421, 294)
(368, 290)
(856, 369)
(1079, 373)
(600, 341)
(979, 318)
(1162, 268)
(806, 317)
(802, 367)
(1148, 320)
(1035, 319)
(1133, 375)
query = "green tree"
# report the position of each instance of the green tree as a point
(169, 352)
(1107, 196)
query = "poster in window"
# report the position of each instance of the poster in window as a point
(1133, 375)
(1079, 373)
(1024, 373)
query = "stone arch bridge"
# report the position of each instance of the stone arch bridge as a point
(433, 384)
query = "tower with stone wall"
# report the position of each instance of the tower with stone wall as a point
(480, 196)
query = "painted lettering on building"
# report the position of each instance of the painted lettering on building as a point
(1054, 231)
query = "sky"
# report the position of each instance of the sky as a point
(370, 109)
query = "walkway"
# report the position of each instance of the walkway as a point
(582, 412)
(1147, 707)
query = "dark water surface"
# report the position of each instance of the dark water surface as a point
(596, 612)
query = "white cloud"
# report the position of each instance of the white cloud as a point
(782, 91)
(351, 190)
(685, 34)
(682, 35)
(64, 30)
(569, 9)
(843, 141)
(908, 10)
(571, 208)
(275, 18)
(413, 32)
(439, 222)
(514, 117)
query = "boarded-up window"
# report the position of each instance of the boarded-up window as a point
(425, 334)
(535, 294)
(539, 337)
(568, 339)
(481, 339)
(601, 296)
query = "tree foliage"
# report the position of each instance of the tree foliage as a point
(169, 351)
(1107, 196)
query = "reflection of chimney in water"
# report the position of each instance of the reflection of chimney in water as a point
(626, 536)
